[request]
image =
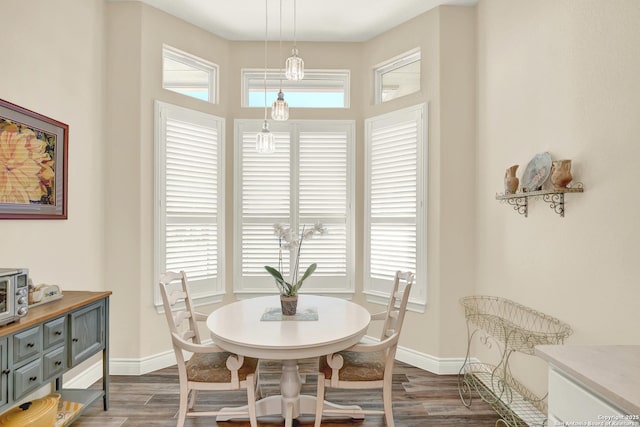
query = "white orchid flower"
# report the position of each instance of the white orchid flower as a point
(287, 242)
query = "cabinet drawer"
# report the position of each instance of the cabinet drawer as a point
(569, 401)
(26, 344)
(53, 332)
(53, 363)
(27, 378)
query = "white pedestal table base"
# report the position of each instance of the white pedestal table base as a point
(290, 404)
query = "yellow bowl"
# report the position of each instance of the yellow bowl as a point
(37, 413)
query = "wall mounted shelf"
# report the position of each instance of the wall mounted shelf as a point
(555, 198)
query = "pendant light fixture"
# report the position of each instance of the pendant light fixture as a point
(280, 108)
(265, 140)
(294, 67)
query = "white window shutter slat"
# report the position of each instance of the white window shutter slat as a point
(189, 189)
(266, 199)
(304, 182)
(323, 197)
(191, 194)
(392, 195)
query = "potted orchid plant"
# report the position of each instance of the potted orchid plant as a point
(289, 288)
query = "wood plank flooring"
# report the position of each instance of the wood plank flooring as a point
(419, 399)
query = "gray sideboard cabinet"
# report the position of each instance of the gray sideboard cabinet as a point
(51, 339)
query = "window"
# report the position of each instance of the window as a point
(395, 201)
(398, 77)
(189, 194)
(318, 89)
(308, 179)
(189, 75)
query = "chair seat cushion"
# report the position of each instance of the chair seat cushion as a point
(358, 366)
(212, 368)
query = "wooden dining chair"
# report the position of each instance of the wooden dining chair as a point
(365, 366)
(210, 367)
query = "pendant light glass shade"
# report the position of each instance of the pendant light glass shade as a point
(265, 140)
(280, 108)
(294, 67)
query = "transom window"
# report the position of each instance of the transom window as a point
(318, 89)
(189, 75)
(397, 77)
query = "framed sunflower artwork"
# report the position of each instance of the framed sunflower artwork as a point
(33, 164)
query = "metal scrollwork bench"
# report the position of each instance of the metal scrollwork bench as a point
(515, 328)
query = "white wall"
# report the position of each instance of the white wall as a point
(562, 76)
(53, 63)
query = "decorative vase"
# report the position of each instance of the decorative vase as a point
(511, 181)
(561, 173)
(289, 304)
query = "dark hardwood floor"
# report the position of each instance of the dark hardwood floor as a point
(419, 399)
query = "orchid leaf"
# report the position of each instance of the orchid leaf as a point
(282, 284)
(306, 274)
(309, 271)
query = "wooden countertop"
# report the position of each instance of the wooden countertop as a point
(612, 371)
(70, 301)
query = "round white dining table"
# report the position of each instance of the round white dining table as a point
(241, 327)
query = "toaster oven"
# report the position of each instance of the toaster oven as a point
(14, 294)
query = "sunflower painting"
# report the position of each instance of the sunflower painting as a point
(33, 155)
(27, 166)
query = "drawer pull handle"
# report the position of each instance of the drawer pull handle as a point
(32, 379)
(75, 340)
(58, 363)
(30, 344)
(58, 333)
(6, 372)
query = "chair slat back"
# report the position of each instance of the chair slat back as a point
(178, 307)
(397, 305)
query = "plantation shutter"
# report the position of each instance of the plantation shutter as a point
(189, 184)
(307, 180)
(266, 200)
(392, 194)
(191, 199)
(323, 197)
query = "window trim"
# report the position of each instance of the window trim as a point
(296, 126)
(418, 298)
(413, 55)
(248, 74)
(198, 63)
(199, 296)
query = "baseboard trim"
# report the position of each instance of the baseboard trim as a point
(433, 364)
(143, 365)
(85, 378)
(436, 365)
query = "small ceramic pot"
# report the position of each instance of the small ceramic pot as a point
(511, 181)
(289, 305)
(561, 173)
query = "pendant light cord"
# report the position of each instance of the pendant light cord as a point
(294, 23)
(280, 49)
(266, 21)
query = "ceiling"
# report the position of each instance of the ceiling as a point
(317, 20)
